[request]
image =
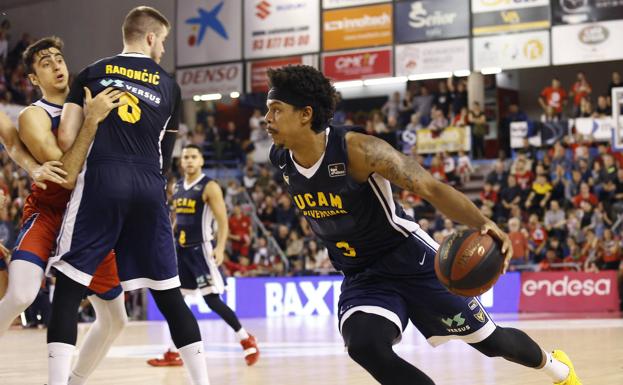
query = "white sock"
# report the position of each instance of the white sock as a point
(24, 284)
(555, 369)
(195, 363)
(59, 362)
(110, 320)
(173, 348)
(242, 334)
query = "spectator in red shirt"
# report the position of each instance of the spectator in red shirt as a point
(553, 96)
(519, 241)
(239, 233)
(585, 195)
(579, 90)
(523, 175)
(537, 236)
(489, 196)
(610, 251)
(550, 259)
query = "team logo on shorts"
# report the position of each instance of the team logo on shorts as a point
(455, 324)
(337, 169)
(473, 304)
(480, 316)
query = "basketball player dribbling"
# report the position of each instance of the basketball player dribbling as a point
(119, 201)
(341, 182)
(198, 202)
(44, 207)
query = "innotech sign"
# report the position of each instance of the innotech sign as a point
(308, 296)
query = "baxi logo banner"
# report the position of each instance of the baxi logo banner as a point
(314, 295)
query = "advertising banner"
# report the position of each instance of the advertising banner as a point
(479, 6)
(439, 56)
(314, 295)
(520, 19)
(585, 43)
(357, 27)
(219, 78)
(360, 64)
(430, 19)
(451, 139)
(208, 31)
(569, 292)
(585, 11)
(519, 50)
(257, 79)
(598, 129)
(280, 27)
(328, 4)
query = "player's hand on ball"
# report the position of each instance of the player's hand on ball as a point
(49, 171)
(507, 248)
(219, 256)
(97, 108)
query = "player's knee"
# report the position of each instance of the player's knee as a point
(20, 299)
(365, 349)
(118, 323)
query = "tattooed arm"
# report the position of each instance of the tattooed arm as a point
(368, 155)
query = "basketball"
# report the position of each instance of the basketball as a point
(469, 263)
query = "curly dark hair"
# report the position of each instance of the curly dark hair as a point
(312, 85)
(28, 56)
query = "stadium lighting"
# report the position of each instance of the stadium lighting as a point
(491, 70)
(462, 73)
(206, 97)
(234, 94)
(432, 75)
(380, 81)
(197, 98)
(352, 83)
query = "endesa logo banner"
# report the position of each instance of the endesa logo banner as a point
(357, 27)
(569, 292)
(361, 64)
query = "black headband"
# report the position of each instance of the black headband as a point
(286, 96)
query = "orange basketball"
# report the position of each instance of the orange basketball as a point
(469, 263)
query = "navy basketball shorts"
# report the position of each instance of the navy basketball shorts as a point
(198, 270)
(403, 287)
(120, 206)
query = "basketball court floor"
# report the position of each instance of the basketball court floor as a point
(309, 351)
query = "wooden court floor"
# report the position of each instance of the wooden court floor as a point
(309, 351)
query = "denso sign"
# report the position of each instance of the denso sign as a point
(569, 292)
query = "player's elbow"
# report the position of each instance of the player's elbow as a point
(64, 143)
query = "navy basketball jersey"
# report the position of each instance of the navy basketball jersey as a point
(358, 222)
(54, 195)
(137, 128)
(194, 219)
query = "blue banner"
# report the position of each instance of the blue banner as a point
(307, 296)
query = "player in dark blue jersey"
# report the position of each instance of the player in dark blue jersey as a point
(197, 203)
(341, 182)
(119, 200)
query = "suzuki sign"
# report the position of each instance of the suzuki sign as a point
(569, 291)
